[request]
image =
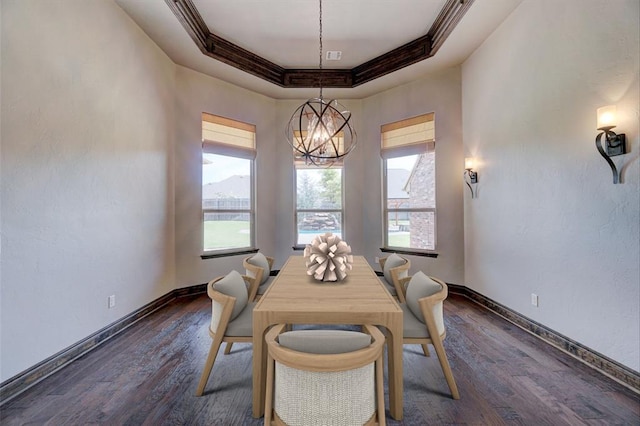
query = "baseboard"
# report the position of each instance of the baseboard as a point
(605, 365)
(28, 378)
(14, 386)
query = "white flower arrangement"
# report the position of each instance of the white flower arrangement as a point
(328, 258)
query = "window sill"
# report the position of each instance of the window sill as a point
(410, 252)
(213, 255)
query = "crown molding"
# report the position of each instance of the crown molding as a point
(223, 50)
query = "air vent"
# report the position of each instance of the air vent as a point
(334, 55)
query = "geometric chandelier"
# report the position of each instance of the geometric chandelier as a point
(319, 131)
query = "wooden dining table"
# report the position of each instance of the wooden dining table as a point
(297, 298)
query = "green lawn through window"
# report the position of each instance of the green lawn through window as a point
(400, 239)
(226, 234)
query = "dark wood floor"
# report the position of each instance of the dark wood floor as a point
(148, 375)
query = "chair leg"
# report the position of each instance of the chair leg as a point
(446, 368)
(208, 365)
(227, 349)
(268, 400)
(425, 349)
(380, 392)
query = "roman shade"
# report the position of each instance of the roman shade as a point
(228, 137)
(411, 136)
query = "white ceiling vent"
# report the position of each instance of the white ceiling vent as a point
(334, 55)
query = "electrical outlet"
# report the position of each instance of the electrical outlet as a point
(111, 301)
(534, 299)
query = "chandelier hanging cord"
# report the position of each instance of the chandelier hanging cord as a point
(321, 134)
(320, 49)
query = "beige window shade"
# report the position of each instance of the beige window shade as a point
(224, 136)
(407, 137)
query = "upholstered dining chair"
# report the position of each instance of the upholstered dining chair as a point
(324, 377)
(231, 316)
(394, 268)
(259, 267)
(423, 319)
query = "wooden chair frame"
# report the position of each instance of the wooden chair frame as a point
(395, 276)
(257, 272)
(325, 363)
(426, 306)
(217, 335)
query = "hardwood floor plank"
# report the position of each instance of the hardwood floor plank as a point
(147, 375)
(550, 403)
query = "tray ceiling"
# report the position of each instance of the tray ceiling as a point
(272, 47)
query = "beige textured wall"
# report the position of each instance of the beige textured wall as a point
(86, 174)
(275, 191)
(197, 93)
(439, 93)
(548, 219)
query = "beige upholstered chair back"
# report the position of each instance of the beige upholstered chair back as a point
(424, 307)
(231, 317)
(394, 269)
(216, 314)
(343, 388)
(219, 301)
(301, 395)
(432, 307)
(260, 274)
(438, 316)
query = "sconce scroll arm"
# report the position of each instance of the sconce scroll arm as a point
(614, 170)
(467, 173)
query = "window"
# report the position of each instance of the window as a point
(409, 185)
(228, 153)
(318, 202)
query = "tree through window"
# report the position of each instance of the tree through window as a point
(318, 202)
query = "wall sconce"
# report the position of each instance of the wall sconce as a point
(469, 163)
(614, 144)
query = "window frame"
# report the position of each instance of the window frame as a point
(300, 165)
(401, 150)
(234, 151)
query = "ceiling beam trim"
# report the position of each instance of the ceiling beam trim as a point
(191, 20)
(403, 56)
(223, 50)
(296, 78)
(447, 19)
(234, 55)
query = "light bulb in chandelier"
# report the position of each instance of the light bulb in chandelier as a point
(320, 132)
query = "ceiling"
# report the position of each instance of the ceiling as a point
(285, 33)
